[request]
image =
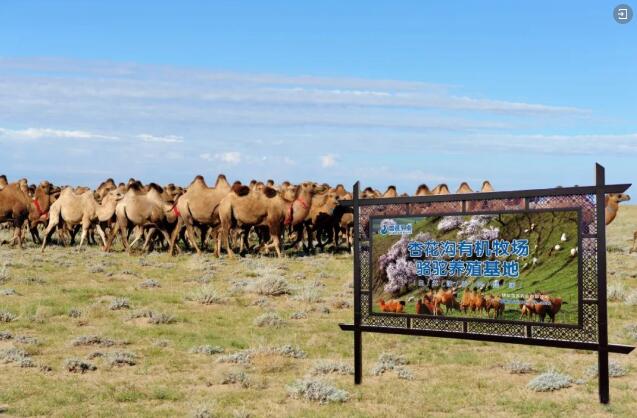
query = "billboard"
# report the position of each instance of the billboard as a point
(514, 266)
(519, 267)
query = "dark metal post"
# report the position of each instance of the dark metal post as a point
(604, 395)
(358, 337)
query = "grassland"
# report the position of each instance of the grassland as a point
(64, 294)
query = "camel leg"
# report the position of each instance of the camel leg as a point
(139, 232)
(100, 231)
(173, 237)
(226, 240)
(190, 234)
(149, 235)
(47, 233)
(111, 236)
(123, 233)
(276, 241)
(85, 226)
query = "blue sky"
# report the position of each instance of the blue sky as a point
(526, 94)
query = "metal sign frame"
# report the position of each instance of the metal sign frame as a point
(591, 333)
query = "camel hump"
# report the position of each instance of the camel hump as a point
(240, 189)
(464, 188)
(269, 192)
(423, 190)
(221, 179)
(486, 186)
(134, 185)
(156, 187)
(198, 179)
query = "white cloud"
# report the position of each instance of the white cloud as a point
(328, 160)
(40, 133)
(168, 139)
(230, 157)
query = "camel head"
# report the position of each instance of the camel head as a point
(239, 189)
(289, 193)
(320, 188)
(135, 186)
(331, 201)
(616, 198)
(270, 183)
(340, 190)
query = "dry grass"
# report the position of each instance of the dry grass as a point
(63, 301)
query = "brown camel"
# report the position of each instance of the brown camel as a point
(143, 210)
(16, 206)
(320, 218)
(198, 206)
(495, 303)
(252, 208)
(446, 298)
(72, 209)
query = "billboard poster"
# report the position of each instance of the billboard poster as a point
(512, 266)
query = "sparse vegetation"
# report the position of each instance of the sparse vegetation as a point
(7, 316)
(207, 349)
(121, 358)
(206, 296)
(317, 391)
(615, 369)
(75, 313)
(271, 286)
(16, 356)
(331, 366)
(5, 274)
(518, 367)
(616, 292)
(388, 361)
(85, 340)
(239, 377)
(269, 319)
(119, 303)
(550, 381)
(75, 365)
(149, 284)
(153, 317)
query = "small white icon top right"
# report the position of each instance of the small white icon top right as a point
(623, 13)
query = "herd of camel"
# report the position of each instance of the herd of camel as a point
(227, 213)
(476, 302)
